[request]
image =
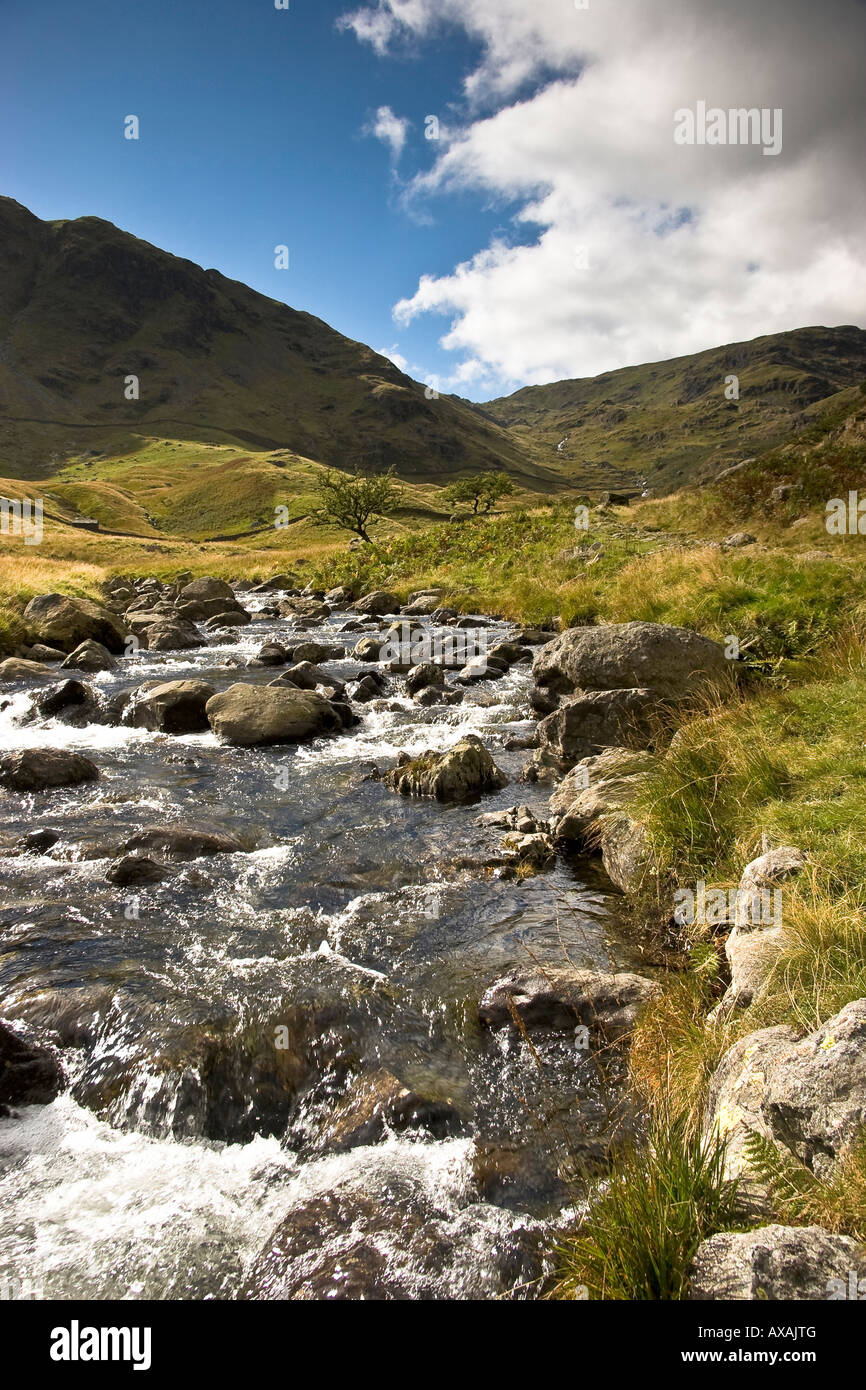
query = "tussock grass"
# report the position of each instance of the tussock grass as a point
(641, 1230)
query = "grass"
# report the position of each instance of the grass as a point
(641, 1231)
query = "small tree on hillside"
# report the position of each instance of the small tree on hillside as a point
(351, 500)
(481, 491)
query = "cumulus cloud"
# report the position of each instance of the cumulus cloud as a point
(626, 246)
(390, 129)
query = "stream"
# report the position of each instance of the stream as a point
(190, 1156)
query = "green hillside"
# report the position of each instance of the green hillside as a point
(666, 424)
(84, 305)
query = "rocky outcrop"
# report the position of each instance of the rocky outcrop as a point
(806, 1095)
(66, 622)
(247, 715)
(563, 999)
(463, 772)
(378, 1104)
(777, 1263)
(39, 769)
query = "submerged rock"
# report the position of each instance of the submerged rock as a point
(38, 769)
(463, 772)
(182, 842)
(136, 869)
(561, 999)
(379, 1103)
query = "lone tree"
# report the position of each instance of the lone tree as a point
(481, 491)
(351, 500)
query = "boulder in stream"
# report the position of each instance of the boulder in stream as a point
(463, 772)
(561, 999)
(247, 715)
(65, 622)
(29, 1075)
(39, 769)
(174, 707)
(89, 656)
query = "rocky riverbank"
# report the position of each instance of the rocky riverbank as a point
(256, 898)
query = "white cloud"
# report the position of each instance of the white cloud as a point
(628, 247)
(390, 129)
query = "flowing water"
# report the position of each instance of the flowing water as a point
(358, 929)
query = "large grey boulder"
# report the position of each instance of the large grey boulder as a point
(563, 999)
(65, 622)
(806, 1095)
(672, 662)
(246, 715)
(173, 707)
(377, 603)
(587, 723)
(205, 589)
(590, 808)
(463, 772)
(38, 769)
(776, 1263)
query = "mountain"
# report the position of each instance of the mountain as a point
(667, 424)
(83, 305)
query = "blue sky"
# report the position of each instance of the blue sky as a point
(251, 135)
(557, 229)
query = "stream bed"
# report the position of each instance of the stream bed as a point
(213, 1026)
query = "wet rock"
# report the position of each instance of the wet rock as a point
(424, 675)
(273, 654)
(349, 1245)
(563, 999)
(90, 656)
(672, 662)
(204, 609)
(136, 870)
(181, 842)
(517, 818)
(509, 653)
(463, 772)
(367, 649)
(15, 668)
(535, 849)
(38, 841)
(377, 1104)
(207, 588)
(444, 615)
(364, 690)
(174, 707)
(339, 596)
(532, 637)
(317, 652)
(586, 724)
(171, 635)
(65, 622)
(68, 700)
(306, 676)
(309, 608)
(377, 603)
(757, 936)
(435, 695)
(29, 1075)
(247, 715)
(513, 1176)
(233, 617)
(482, 668)
(39, 769)
(777, 1263)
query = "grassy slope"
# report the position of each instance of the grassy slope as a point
(668, 423)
